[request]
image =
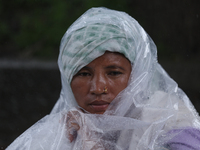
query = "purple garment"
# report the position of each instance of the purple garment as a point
(184, 139)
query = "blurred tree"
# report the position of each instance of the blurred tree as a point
(33, 28)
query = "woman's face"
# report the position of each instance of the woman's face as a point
(97, 84)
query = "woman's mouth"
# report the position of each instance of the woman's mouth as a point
(99, 106)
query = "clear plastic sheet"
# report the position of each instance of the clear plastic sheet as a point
(151, 113)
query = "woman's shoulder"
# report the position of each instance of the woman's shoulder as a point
(183, 139)
(170, 107)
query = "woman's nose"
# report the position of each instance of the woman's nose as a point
(98, 84)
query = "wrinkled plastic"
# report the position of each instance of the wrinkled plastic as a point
(148, 114)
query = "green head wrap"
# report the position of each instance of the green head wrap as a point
(86, 43)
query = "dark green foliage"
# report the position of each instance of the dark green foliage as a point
(33, 28)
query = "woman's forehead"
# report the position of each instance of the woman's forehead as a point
(110, 60)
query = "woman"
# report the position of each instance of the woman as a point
(114, 93)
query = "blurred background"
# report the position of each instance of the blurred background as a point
(30, 34)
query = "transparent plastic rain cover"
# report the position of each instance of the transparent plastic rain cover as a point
(152, 112)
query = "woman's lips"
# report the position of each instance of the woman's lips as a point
(99, 105)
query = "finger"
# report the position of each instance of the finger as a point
(72, 125)
(72, 134)
(72, 131)
(73, 114)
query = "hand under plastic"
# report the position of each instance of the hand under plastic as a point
(73, 126)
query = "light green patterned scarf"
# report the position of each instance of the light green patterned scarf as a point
(86, 44)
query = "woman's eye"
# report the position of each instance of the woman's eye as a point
(115, 73)
(83, 74)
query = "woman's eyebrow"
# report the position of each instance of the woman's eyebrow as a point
(114, 67)
(86, 68)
